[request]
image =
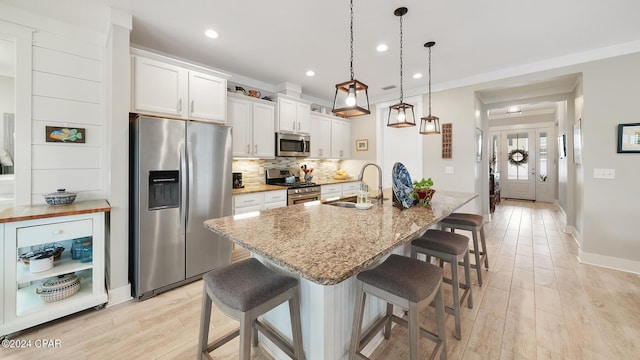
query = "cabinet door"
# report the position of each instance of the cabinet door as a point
(207, 97)
(303, 115)
(287, 118)
(264, 142)
(320, 130)
(240, 120)
(159, 88)
(340, 139)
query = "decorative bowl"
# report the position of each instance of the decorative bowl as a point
(340, 177)
(59, 288)
(60, 197)
(55, 250)
(40, 263)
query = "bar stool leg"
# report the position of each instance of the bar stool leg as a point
(476, 254)
(467, 279)
(296, 324)
(245, 335)
(440, 323)
(204, 324)
(414, 334)
(357, 320)
(387, 327)
(484, 247)
(456, 296)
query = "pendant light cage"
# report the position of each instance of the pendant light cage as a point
(401, 115)
(429, 124)
(352, 97)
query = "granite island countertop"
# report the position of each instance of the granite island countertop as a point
(327, 244)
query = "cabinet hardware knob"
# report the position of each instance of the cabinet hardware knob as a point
(179, 105)
(57, 232)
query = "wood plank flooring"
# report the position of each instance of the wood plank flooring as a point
(537, 302)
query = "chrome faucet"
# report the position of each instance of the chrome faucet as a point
(379, 195)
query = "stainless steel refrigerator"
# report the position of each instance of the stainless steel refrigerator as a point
(181, 176)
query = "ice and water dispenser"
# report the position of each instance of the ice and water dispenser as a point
(164, 189)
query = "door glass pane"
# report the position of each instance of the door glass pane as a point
(517, 154)
(543, 156)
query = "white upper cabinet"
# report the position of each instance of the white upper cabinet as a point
(165, 89)
(253, 123)
(320, 131)
(207, 97)
(293, 115)
(340, 139)
(158, 88)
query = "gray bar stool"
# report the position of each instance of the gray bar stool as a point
(244, 291)
(452, 248)
(475, 224)
(405, 282)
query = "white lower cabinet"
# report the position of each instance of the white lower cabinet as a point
(339, 190)
(23, 307)
(245, 203)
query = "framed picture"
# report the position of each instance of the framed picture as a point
(362, 145)
(629, 138)
(562, 146)
(65, 134)
(577, 142)
(478, 145)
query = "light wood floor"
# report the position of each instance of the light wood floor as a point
(537, 302)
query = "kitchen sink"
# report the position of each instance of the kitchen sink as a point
(344, 204)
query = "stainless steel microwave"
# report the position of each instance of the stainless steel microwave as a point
(293, 145)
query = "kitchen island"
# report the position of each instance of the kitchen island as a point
(325, 246)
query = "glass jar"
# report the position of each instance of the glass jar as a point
(87, 254)
(76, 249)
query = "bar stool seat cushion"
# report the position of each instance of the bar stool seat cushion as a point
(464, 219)
(405, 277)
(247, 284)
(443, 241)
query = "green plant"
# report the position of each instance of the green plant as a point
(423, 186)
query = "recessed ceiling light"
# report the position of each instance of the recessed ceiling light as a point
(417, 75)
(382, 48)
(211, 34)
(310, 73)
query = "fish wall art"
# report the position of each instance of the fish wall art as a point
(65, 134)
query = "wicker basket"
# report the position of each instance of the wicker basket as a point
(59, 288)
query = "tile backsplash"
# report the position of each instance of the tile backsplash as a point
(253, 170)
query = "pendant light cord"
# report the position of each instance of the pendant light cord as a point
(401, 87)
(351, 47)
(429, 81)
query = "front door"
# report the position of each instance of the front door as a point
(518, 171)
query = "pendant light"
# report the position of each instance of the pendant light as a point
(401, 114)
(352, 97)
(429, 124)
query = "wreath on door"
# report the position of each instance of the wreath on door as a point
(518, 157)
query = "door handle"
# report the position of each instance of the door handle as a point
(255, 147)
(248, 149)
(183, 183)
(179, 105)
(192, 106)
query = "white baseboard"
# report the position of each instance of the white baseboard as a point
(609, 262)
(119, 295)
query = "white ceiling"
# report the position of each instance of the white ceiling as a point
(273, 42)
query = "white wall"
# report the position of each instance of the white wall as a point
(610, 210)
(73, 71)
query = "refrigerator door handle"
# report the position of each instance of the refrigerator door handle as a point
(190, 180)
(183, 187)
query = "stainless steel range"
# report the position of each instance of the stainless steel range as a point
(297, 192)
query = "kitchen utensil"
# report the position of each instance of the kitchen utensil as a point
(55, 250)
(241, 90)
(60, 197)
(59, 288)
(290, 179)
(237, 180)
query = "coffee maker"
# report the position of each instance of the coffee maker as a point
(237, 180)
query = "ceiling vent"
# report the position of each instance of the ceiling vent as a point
(389, 87)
